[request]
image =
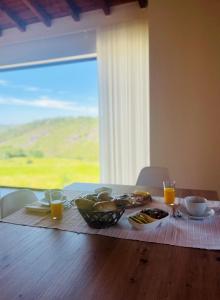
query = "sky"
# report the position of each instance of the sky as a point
(52, 91)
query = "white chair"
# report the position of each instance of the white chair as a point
(15, 201)
(153, 176)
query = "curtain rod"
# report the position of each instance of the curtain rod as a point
(53, 61)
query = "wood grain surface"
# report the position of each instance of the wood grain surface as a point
(37, 263)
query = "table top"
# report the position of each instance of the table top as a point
(38, 263)
(155, 191)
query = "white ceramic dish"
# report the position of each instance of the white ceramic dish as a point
(209, 212)
(148, 226)
(36, 208)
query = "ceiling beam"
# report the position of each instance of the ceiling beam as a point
(38, 11)
(106, 7)
(75, 10)
(12, 17)
(143, 3)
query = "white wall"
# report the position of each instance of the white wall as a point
(185, 90)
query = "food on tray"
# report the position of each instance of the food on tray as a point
(105, 206)
(135, 199)
(93, 202)
(101, 202)
(142, 218)
(103, 189)
(149, 215)
(103, 218)
(123, 202)
(104, 196)
(101, 206)
(83, 203)
(141, 193)
(155, 213)
(148, 219)
(97, 212)
(92, 197)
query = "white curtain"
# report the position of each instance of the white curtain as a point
(122, 52)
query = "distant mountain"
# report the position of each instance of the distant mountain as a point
(59, 137)
(3, 128)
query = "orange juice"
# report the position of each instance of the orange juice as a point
(169, 195)
(56, 210)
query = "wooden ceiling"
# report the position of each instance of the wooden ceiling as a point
(20, 13)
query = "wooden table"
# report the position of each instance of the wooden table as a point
(180, 192)
(37, 263)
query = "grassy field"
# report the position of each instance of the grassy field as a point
(72, 138)
(50, 153)
(46, 172)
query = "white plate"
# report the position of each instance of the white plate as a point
(208, 213)
(36, 208)
(148, 226)
(46, 203)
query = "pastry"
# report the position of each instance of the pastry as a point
(105, 206)
(85, 204)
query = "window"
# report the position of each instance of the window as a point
(49, 125)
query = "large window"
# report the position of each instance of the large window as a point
(49, 125)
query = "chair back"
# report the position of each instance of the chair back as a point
(14, 201)
(153, 176)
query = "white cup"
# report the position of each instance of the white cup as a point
(196, 205)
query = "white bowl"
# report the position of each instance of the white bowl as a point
(195, 205)
(148, 226)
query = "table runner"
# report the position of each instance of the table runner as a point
(183, 232)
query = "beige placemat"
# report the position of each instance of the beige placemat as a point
(178, 231)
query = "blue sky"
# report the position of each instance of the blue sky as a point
(50, 91)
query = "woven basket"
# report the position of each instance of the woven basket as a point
(100, 220)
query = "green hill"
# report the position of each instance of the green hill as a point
(75, 138)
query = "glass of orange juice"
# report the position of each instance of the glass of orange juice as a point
(56, 209)
(56, 206)
(169, 191)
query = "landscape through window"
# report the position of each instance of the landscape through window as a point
(49, 125)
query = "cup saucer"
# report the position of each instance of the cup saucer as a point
(209, 212)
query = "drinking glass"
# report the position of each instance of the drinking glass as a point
(169, 191)
(56, 205)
